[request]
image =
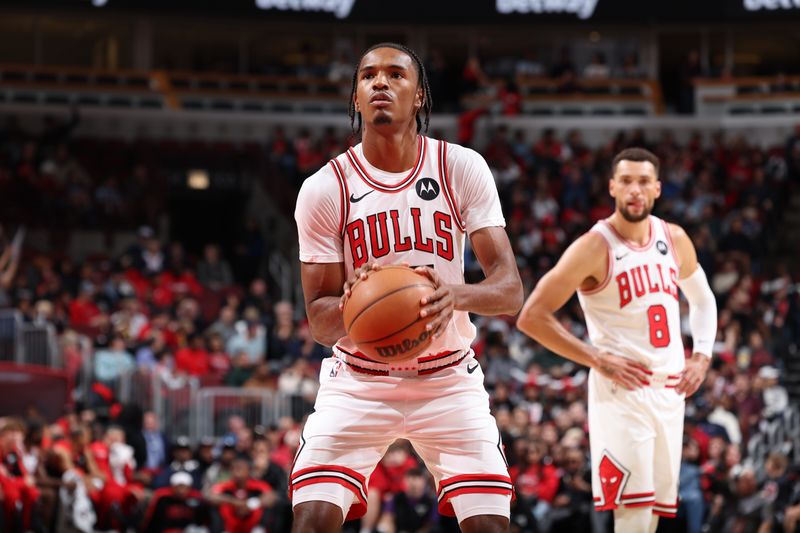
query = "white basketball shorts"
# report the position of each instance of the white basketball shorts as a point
(445, 415)
(636, 439)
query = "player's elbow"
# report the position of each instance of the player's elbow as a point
(321, 334)
(531, 318)
(515, 297)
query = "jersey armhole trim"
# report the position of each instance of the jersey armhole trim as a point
(448, 193)
(671, 245)
(343, 195)
(609, 270)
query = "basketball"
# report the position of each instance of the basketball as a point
(382, 314)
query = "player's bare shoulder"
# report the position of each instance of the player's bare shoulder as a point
(590, 258)
(685, 253)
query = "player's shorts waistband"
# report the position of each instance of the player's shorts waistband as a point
(662, 380)
(655, 379)
(424, 365)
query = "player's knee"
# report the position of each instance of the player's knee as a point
(485, 524)
(317, 517)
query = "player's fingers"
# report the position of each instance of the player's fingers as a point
(430, 310)
(637, 372)
(441, 324)
(633, 379)
(435, 296)
(430, 274)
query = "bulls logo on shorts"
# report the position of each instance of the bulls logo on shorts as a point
(427, 188)
(613, 478)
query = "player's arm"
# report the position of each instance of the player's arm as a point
(479, 207)
(702, 311)
(322, 290)
(583, 265)
(499, 293)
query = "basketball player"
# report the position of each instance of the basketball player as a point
(400, 197)
(627, 270)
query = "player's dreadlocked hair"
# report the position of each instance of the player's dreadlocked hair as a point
(422, 76)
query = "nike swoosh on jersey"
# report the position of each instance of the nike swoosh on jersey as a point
(471, 370)
(353, 199)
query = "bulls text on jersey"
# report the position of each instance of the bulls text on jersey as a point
(381, 233)
(645, 279)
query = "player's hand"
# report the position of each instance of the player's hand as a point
(693, 375)
(359, 274)
(439, 305)
(622, 371)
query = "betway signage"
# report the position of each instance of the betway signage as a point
(340, 8)
(584, 9)
(771, 5)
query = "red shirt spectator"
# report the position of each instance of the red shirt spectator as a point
(389, 475)
(242, 499)
(193, 361)
(535, 478)
(82, 310)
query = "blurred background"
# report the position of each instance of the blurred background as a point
(151, 317)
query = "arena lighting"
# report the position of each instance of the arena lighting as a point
(198, 179)
(99, 3)
(340, 8)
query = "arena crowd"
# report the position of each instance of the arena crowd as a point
(161, 309)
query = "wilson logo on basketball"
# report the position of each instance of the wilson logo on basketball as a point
(394, 350)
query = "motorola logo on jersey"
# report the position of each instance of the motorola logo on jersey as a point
(427, 188)
(662, 247)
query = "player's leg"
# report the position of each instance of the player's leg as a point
(633, 520)
(622, 440)
(341, 443)
(481, 513)
(668, 410)
(451, 428)
(317, 517)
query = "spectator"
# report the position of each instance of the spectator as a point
(220, 470)
(114, 361)
(176, 507)
(775, 397)
(213, 271)
(284, 346)
(218, 359)
(573, 507)
(182, 461)
(193, 359)
(225, 325)
(241, 502)
(598, 68)
(155, 442)
(691, 499)
(252, 341)
(536, 479)
(412, 510)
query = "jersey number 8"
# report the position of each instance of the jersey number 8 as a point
(659, 329)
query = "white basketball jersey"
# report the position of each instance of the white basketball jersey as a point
(418, 217)
(635, 311)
